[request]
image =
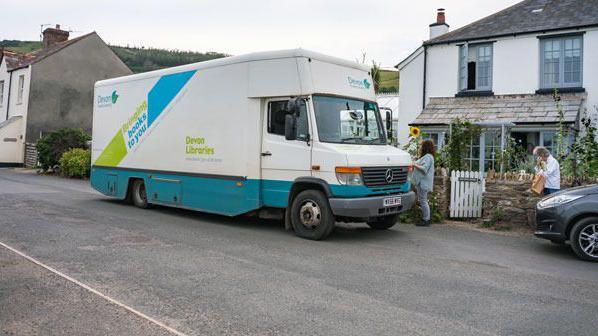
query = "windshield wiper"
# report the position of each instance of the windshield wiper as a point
(350, 139)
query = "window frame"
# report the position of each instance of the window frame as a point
(20, 89)
(2, 93)
(542, 51)
(463, 72)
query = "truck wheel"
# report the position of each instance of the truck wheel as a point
(139, 195)
(584, 239)
(384, 223)
(311, 216)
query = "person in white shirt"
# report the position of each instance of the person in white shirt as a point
(548, 166)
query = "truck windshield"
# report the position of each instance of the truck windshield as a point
(347, 120)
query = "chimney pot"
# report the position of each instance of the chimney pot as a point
(440, 17)
(57, 26)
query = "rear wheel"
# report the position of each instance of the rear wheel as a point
(384, 223)
(584, 239)
(139, 194)
(311, 216)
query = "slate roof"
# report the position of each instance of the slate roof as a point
(16, 61)
(517, 109)
(525, 17)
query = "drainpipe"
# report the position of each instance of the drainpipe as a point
(425, 75)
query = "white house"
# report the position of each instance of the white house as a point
(501, 72)
(50, 88)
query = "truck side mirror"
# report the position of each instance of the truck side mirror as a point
(290, 127)
(388, 121)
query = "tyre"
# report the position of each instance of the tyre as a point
(384, 223)
(311, 216)
(139, 195)
(584, 239)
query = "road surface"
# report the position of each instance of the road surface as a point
(166, 271)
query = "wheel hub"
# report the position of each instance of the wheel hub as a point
(310, 214)
(588, 240)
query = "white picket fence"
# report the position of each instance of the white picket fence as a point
(466, 194)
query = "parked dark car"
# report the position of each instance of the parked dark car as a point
(571, 215)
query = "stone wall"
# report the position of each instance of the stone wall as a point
(510, 202)
(441, 193)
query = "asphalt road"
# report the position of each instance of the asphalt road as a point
(209, 275)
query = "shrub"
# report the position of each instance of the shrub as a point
(75, 162)
(52, 145)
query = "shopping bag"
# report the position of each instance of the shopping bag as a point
(538, 184)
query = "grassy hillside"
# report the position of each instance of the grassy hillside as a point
(389, 81)
(142, 60)
(138, 59)
(21, 46)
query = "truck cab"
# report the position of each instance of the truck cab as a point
(335, 151)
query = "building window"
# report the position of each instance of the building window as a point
(561, 62)
(21, 87)
(475, 67)
(1, 93)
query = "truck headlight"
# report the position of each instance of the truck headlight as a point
(349, 175)
(557, 200)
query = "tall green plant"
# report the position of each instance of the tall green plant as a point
(583, 160)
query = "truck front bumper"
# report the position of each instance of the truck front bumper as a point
(367, 207)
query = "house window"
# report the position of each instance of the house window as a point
(475, 67)
(1, 93)
(561, 62)
(21, 87)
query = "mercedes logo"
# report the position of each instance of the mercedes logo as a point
(389, 175)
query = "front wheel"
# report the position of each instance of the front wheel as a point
(311, 216)
(584, 239)
(383, 223)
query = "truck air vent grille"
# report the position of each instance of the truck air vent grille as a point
(381, 176)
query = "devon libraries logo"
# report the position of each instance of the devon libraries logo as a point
(104, 101)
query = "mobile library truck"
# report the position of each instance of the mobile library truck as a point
(291, 133)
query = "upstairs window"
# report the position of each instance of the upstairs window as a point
(20, 88)
(475, 67)
(561, 62)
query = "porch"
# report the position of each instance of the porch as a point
(530, 120)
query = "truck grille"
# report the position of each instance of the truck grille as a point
(377, 176)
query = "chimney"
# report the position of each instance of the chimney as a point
(53, 36)
(439, 27)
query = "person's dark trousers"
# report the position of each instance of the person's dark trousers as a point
(548, 191)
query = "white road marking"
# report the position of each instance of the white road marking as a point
(96, 292)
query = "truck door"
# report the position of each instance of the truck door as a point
(283, 160)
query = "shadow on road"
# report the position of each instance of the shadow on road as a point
(343, 232)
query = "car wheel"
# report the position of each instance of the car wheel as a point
(384, 223)
(584, 239)
(139, 194)
(311, 216)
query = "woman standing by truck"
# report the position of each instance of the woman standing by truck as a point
(423, 178)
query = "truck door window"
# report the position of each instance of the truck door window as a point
(276, 117)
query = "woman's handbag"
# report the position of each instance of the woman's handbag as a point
(538, 184)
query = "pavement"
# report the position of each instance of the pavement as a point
(100, 267)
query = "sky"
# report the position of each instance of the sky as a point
(386, 31)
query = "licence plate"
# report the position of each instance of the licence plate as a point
(392, 201)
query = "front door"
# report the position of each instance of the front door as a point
(282, 160)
